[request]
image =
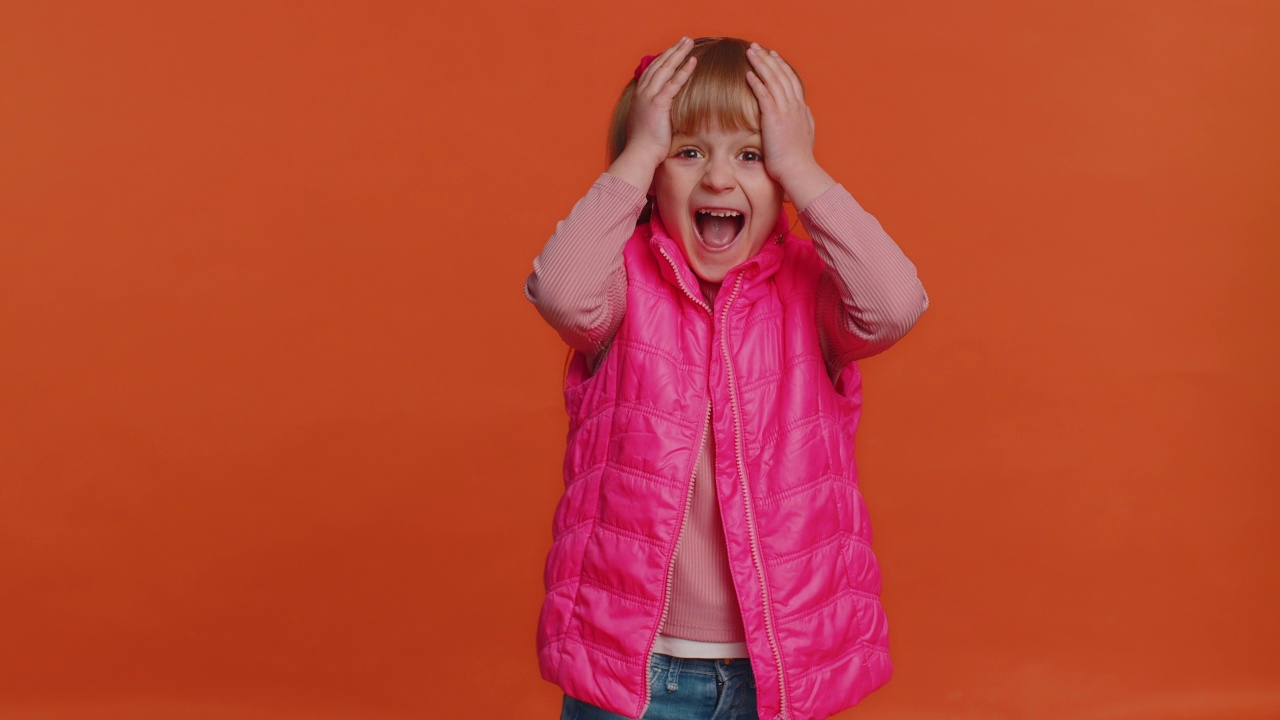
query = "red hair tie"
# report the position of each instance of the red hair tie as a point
(645, 62)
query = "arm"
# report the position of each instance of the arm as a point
(869, 295)
(578, 283)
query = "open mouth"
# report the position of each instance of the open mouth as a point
(718, 228)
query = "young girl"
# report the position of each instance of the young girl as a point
(712, 553)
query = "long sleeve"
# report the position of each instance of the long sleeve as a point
(869, 295)
(578, 282)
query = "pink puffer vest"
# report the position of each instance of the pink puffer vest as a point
(795, 524)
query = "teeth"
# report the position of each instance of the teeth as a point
(720, 213)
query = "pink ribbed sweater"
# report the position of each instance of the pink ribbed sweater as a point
(579, 286)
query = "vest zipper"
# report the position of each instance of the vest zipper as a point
(680, 281)
(746, 495)
(688, 502)
(671, 564)
(746, 498)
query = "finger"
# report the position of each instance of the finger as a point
(789, 76)
(646, 75)
(780, 75)
(672, 56)
(766, 69)
(662, 66)
(678, 80)
(761, 91)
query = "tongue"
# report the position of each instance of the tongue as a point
(717, 232)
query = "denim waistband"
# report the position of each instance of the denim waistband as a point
(669, 668)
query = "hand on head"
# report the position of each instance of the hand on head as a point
(786, 127)
(786, 123)
(649, 123)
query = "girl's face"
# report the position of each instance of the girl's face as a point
(716, 199)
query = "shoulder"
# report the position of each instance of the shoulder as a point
(641, 260)
(800, 263)
(637, 254)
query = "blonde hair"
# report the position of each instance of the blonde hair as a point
(716, 92)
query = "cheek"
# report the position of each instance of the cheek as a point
(661, 188)
(768, 217)
(661, 182)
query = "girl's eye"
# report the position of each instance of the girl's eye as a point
(689, 153)
(751, 156)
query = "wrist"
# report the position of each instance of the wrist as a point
(804, 183)
(636, 165)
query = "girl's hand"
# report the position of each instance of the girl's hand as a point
(786, 128)
(649, 121)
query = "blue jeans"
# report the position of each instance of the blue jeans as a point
(686, 689)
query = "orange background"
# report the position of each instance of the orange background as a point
(281, 437)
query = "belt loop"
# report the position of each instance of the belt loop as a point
(673, 674)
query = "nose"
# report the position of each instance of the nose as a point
(718, 174)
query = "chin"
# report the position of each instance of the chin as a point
(711, 275)
(712, 267)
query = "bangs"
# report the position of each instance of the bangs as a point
(718, 92)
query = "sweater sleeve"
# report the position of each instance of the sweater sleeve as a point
(869, 295)
(578, 282)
